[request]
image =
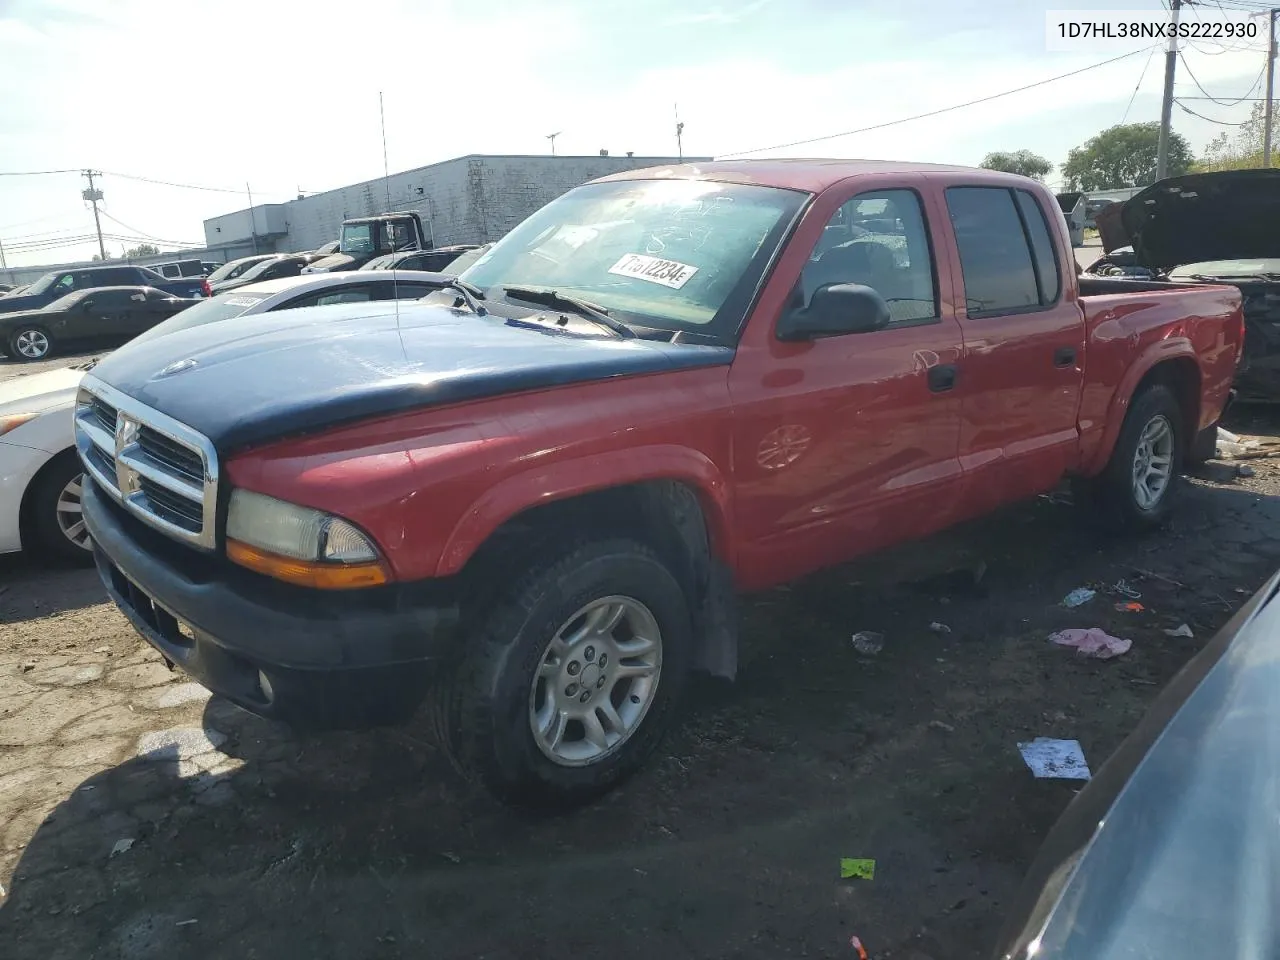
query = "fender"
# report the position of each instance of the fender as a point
(568, 478)
(1174, 348)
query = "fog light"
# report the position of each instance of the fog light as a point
(264, 682)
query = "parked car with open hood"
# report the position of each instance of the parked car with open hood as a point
(99, 315)
(1209, 228)
(533, 494)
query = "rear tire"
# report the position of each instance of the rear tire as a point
(571, 677)
(1139, 487)
(28, 344)
(56, 520)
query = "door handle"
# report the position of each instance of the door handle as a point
(1064, 357)
(942, 377)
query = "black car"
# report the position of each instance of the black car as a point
(1172, 850)
(101, 314)
(285, 265)
(233, 269)
(433, 261)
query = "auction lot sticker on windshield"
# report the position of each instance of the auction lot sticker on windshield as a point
(242, 301)
(669, 273)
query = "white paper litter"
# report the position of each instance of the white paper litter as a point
(1078, 597)
(1055, 759)
(122, 846)
(1182, 631)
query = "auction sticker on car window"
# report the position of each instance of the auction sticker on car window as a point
(242, 301)
(669, 273)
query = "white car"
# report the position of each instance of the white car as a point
(39, 470)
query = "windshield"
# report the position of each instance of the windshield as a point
(229, 271)
(223, 307)
(43, 284)
(357, 238)
(670, 254)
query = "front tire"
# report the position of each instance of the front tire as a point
(1140, 484)
(56, 517)
(572, 677)
(28, 344)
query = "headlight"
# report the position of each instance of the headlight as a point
(14, 420)
(300, 545)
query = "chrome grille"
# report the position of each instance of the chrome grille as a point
(160, 470)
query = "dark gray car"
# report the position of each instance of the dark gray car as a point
(1172, 852)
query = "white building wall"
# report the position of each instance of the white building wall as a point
(471, 199)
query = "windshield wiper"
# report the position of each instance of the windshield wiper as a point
(468, 293)
(552, 298)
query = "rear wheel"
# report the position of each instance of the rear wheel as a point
(1140, 484)
(28, 343)
(56, 517)
(572, 677)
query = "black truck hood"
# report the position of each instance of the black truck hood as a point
(336, 262)
(1229, 215)
(259, 378)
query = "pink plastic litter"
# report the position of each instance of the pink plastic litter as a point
(1093, 642)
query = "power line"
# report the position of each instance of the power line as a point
(1222, 103)
(1223, 123)
(1142, 76)
(934, 113)
(187, 186)
(32, 173)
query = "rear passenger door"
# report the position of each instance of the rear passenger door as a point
(1023, 345)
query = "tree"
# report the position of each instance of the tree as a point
(1022, 162)
(1124, 156)
(1241, 149)
(142, 250)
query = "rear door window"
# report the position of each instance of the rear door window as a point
(995, 252)
(1046, 262)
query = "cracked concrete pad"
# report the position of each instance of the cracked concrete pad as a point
(67, 676)
(178, 696)
(114, 719)
(40, 720)
(95, 752)
(16, 758)
(179, 743)
(141, 676)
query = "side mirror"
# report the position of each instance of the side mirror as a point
(836, 309)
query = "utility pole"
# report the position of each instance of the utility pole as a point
(93, 195)
(3, 265)
(253, 219)
(552, 138)
(1271, 77)
(1166, 108)
(679, 134)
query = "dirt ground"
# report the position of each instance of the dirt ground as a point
(249, 842)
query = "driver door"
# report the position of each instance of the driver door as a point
(101, 315)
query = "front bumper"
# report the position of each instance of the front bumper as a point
(313, 658)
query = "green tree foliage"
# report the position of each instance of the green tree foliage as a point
(1022, 162)
(1124, 156)
(142, 250)
(1241, 148)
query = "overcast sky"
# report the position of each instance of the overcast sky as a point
(284, 95)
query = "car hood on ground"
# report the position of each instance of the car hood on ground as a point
(1200, 217)
(1173, 849)
(38, 392)
(297, 371)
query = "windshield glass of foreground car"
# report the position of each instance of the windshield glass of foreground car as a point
(669, 254)
(223, 307)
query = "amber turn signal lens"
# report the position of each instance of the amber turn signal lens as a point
(322, 576)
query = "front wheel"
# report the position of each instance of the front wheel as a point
(1138, 488)
(57, 518)
(30, 343)
(573, 676)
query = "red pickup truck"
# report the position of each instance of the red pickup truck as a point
(530, 498)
